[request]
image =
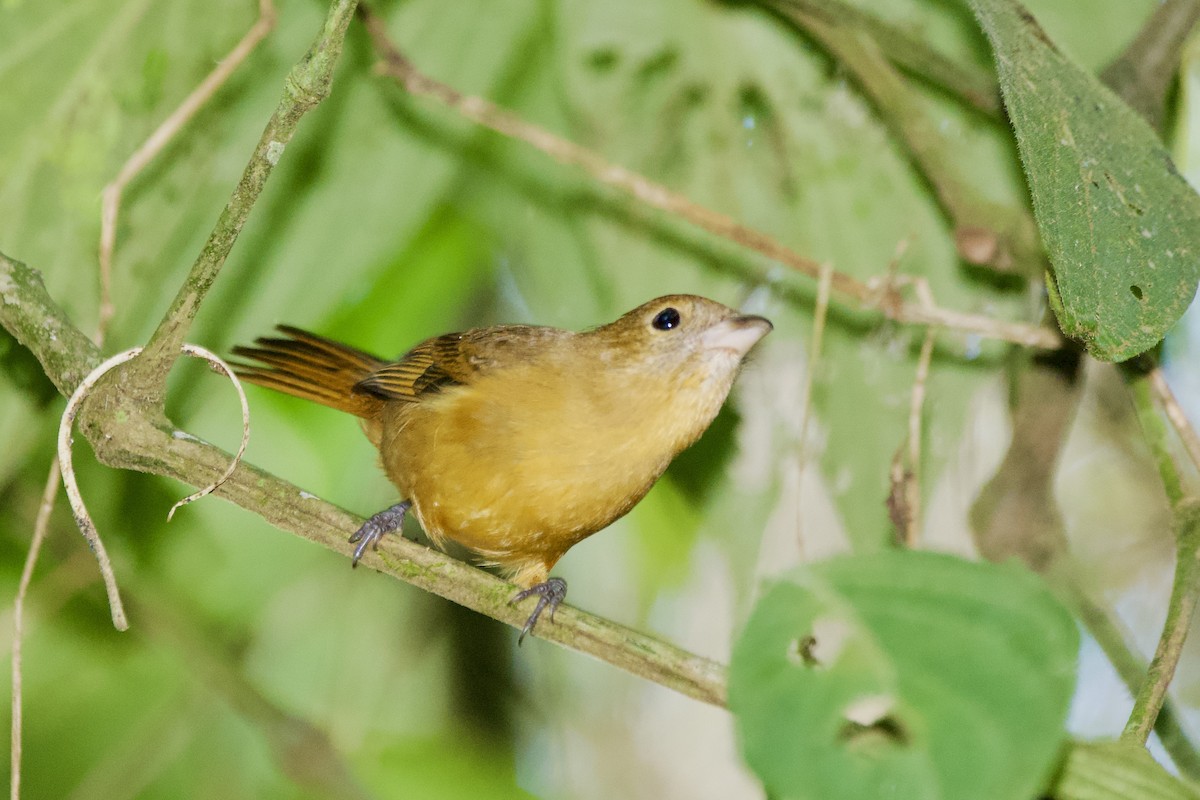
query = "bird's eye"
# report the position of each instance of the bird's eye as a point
(666, 319)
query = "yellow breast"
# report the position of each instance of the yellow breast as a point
(529, 460)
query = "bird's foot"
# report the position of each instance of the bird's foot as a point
(550, 593)
(375, 528)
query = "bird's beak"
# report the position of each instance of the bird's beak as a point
(736, 334)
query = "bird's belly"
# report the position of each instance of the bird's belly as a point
(508, 486)
(520, 502)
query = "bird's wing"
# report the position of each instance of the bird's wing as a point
(454, 359)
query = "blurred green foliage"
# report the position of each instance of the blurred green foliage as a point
(255, 660)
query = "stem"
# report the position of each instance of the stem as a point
(1175, 413)
(1142, 393)
(35, 547)
(487, 114)
(916, 407)
(975, 87)
(810, 372)
(1145, 389)
(306, 86)
(163, 134)
(986, 233)
(125, 435)
(1132, 671)
(1143, 73)
(1184, 594)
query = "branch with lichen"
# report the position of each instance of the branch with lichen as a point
(126, 434)
(306, 86)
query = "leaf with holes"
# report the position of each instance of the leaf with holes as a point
(1119, 223)
(907, 675)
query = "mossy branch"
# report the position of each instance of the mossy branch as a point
(306, 86)
(127, 435)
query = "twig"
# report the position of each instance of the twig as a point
(82, 518)
(916, 407)
(986, 233)
(110, 202)
(40, 526)
(306, 86)
(1176, 414)
(1185, 592)
(110, 206)
(975, 87)
(1142, 393)
(1143, 73)
(1146, 388)
(1132, 670)
(489, 115)
(814, 358)
(216, 361)
(124, 435)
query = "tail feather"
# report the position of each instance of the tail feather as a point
(312, 367)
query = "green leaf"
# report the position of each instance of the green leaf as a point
(907, 675)
(1118, 221)
(1117, 771)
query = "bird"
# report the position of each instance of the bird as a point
(519, 441)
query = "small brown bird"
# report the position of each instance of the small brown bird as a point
(519, 441)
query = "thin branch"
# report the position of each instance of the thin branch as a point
(1146, 388)
(915, 411)
(974, 86)
(82, 518)
(219, 364)
(1185, 592)
(110, 205)
(814, 359)
(986, 233)
(306, 86)
(1142, 74)
(1132, 671)
(40, 526)
(126, 435)
(1176, 414)
(110, 202)
(489, 115)
(1142, 393)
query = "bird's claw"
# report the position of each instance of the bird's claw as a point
(375, 528)
(550, 593)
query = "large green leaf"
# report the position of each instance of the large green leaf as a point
(1118, 221)
(904, 674)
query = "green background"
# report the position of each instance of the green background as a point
(254, 656)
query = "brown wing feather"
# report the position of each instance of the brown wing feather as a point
(310, 366)
(453, 359)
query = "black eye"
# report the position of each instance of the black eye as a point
(667, 318)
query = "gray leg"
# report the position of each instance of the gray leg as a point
(550, 593)
(374, 529)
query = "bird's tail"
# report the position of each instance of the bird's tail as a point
(312, 367)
